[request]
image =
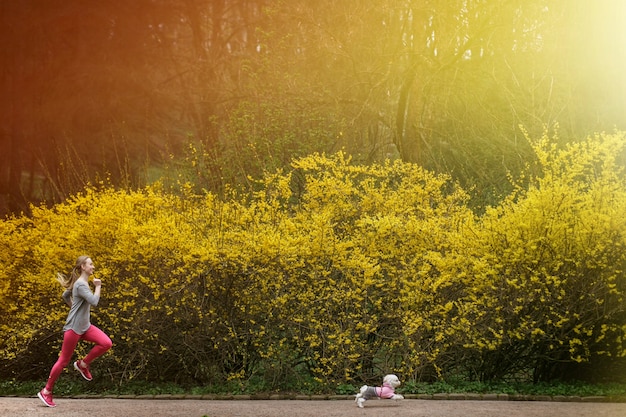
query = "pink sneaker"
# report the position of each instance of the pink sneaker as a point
(46, 398)
(83, 368)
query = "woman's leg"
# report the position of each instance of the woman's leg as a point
(102, 341)
(70, 339)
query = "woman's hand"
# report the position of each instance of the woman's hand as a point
(97, 282)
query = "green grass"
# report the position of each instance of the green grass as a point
(78, 387)
(580, 389)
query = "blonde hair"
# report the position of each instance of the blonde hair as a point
(74, 275)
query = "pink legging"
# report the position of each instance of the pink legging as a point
(70, 340)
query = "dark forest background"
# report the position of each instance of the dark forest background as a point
(118, 90)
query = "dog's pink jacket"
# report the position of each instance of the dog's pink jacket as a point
(386, 391)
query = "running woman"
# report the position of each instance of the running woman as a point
(79, 297)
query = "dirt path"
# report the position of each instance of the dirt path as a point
(22, 407)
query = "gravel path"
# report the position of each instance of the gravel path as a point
(112, 407)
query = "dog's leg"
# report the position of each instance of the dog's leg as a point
(360, 400)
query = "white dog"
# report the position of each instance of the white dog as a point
(387, 391)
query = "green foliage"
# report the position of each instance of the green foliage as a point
(333, 274)
(255, 138)
(75, 386)
(575, 388)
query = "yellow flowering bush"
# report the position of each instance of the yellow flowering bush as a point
(537, 284)
(333, 271)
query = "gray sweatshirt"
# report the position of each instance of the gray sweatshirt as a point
(82, 299)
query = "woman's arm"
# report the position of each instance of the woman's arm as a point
(85, 293)
(67, 297)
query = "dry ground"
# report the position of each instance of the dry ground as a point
(22, 407)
